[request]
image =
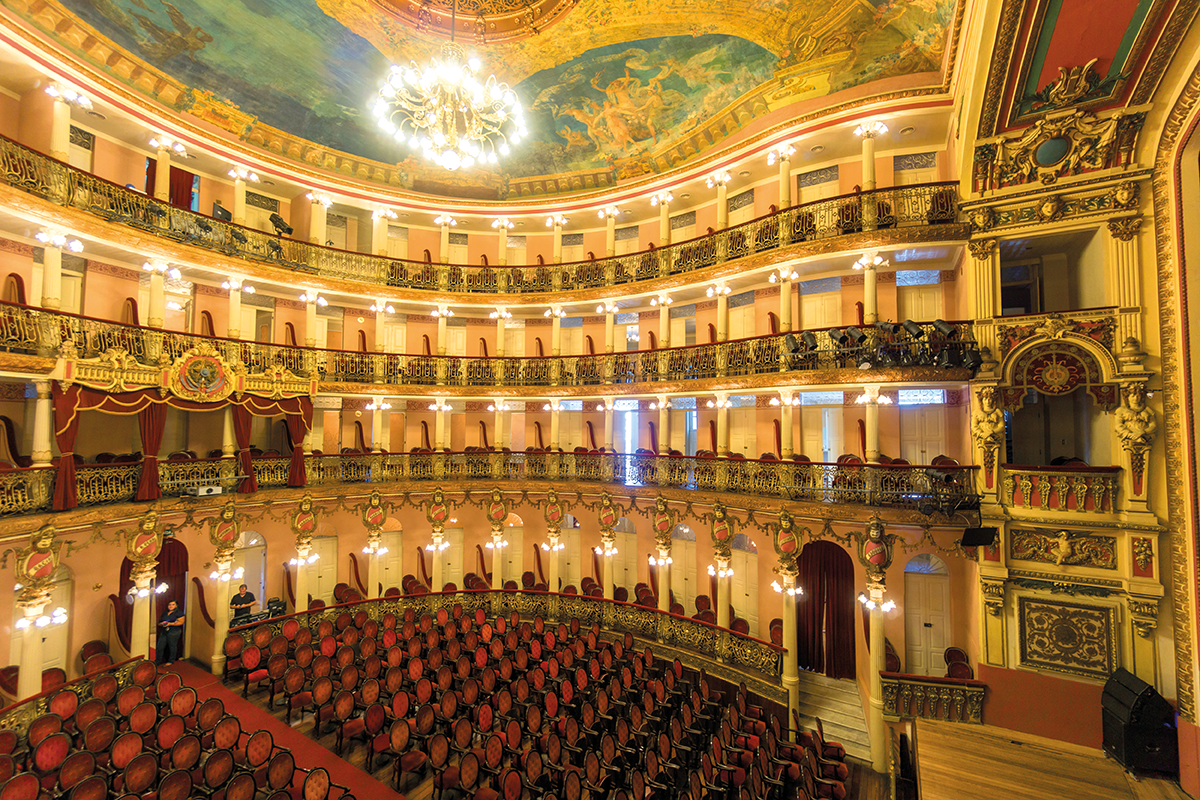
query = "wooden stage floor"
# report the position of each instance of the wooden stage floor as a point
(981, 762)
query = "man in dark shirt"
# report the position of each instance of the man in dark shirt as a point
(241, 604)
(171, 641)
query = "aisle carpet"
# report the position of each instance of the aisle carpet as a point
(308, 754)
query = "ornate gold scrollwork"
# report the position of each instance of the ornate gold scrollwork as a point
(993, 596)
(1143, 613)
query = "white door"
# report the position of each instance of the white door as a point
(683, 232)
(683, 574)
(679, 419)
(573, 253)
(571, 342)
(911, 177)
(742, 435)
(740, 215)
(922, 433)
(452, 559)
(570, 559)
(926, 623)
(570, 430)
(252, 561)
(322, 335)
(679, 332)
(323, 573)
(456, 341)
(395, 337)
(744, 589)
(80, 157)
(822, 310)
(819, 191)
(741, 322)
(259, 219)
(514, 554)
(515, 254)
(514, 342)
(921, 303)
(458, 252)
(397, 242)
(249, 324)
(335, 234)
(821, 430)
(393, 559)
(72, 293)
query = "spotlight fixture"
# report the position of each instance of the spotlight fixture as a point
(914, 330)
(53, 238)
(839, 336)
(972, 360)
(856, 336)
(947, 358)
(239, 173)
(945, 329)
(810, 341)
(661, 198)
(69, 96)
(280, 225)
(781, 153)
(383, 305)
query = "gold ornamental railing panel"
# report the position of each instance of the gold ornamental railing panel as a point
(946, 699)
(894, 207)
(1066, 490)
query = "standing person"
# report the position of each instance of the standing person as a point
(170, 644)
(241, 603)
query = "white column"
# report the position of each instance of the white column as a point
(376, 428)
(609, 582)
(878, 730)
(724, 590)
(722, 315)
(43, 418)
(786, 425)
(310, 320)
(722, 206)
(497, 559)
(385, 431)
(664, 218)
(501, 327)
(316, 437)
(555, 334)
(609, 404)
(664, 425)
(51, 277)
(224, 569)
(610, 237)
(29, 678)
(664, 326)
(610, 329)
(502, 226)
(441, 334)
(791, 658)
(157, 313)
(239, 200)
(444, 245)
(557, 221)
(316, 224)
(553, 559)
(785, 304)
(439, 536)
(60, 129)
(373, 576)
(871, 409)
(722, 426)
(234, 330)
(162, 171)
(380, 324)
(498, 423)
(870, 294)
(229, 437)
(439, 428)
(785, 177)
(554, 444)
(868, 133)
(139, 637)
(664, 579)
(379, 232)
(302, 554)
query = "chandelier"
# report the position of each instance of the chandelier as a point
(455, 118)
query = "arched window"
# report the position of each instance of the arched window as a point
(289, 333)
(537, 430)
(653, 340)
(653, 436)
(14, 289)
(591, 435)
(712, 332)
(129, 312)
(206, 324)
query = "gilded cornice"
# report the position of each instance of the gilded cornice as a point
(90, 226)
(748, 384)
(22, 364)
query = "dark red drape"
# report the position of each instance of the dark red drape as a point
(181, 188)
(825, 617)
(151, 421)
(298, 425)
(172, 570)
(66, 426)
(241, 430)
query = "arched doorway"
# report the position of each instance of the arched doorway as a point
(55, 638)
(172, 573)
(825, 617)
(926, 615)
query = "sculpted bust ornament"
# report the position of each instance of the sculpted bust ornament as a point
(1136, 424)
(987, 423)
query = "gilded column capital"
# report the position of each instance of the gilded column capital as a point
(982, 249)
(1143, 613)
(1125, 229)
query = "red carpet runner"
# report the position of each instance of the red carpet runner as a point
(308, 754)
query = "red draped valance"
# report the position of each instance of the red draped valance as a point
(147, 403)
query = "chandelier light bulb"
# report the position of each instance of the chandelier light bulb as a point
(610, 212)
(781, 153)
(62, 241)
(239, 173)
(871, 129)
(445, 220)
(383, 213)
(383, 305)
(661, 198)
(69, 96)
(319, 198)
(378, 405)
(556, 219)
(554, 311)
(155, 266)
(164, 142)
(871, 259)
(503, 222)
(162, 587)
(718, 178)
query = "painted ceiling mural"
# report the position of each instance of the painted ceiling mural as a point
(611, 89)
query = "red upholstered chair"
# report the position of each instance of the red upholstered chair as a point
(405, 761)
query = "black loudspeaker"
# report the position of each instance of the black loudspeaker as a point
(222, 213)
(1139, 725)
(979, 537)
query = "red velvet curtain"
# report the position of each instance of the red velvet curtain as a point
(151, 421)
(825, 617)
(181, 188)
(298, 425)
(66, 426)
(241, 430)
(172, 570)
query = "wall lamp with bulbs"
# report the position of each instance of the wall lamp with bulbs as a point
(720, 402)
(784, 274)
(719, 289)
(500, 313)
(498, 407)
(441, 311)
(871, 260)
(871, 129)
(312, 559)
(718, 178)
(791, 591)
(440, 406)
(781, 153)
(661, 198)
(550, 407)
(556, 219)
(378, 405)
(552, 548)
(446, 220)
(610, 212)
(606, 308)
(56, 617)
(554, 311)
(606, 550)
(437, 548)
(503, 222)
(794, 400)
(311, 296)
(320, 199)
(62, 241)
(663, 406)
(383, 305)
(239, 173)
(661, 300)
(496, 545)
(886, 605)
(374, 548)
(383, 213)
(659, 562)
(227, 576)
(164, 142)
(238, 285)
(723, 572)
(162, 269)
(69, 96)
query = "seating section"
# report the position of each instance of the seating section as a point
(151, 739)
(517, 708)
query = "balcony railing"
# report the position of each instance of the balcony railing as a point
(919, 696)
(902, 206)
(761, 659)
(941, 489)
(30, 330)
(1060, 489)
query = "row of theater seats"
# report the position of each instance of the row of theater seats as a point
(504, 707)
(152, 740)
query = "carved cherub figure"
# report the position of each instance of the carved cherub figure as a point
(987, 423)
(1136, 424)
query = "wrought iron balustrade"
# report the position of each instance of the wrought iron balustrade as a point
(104, 484)
(1062, 489)
(23, 491)
(926, 697)
(895, 207)
(34, 331)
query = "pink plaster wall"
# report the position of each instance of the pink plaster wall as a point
(33, 130)
(104, 295)
(10, 116)
(119, 164)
